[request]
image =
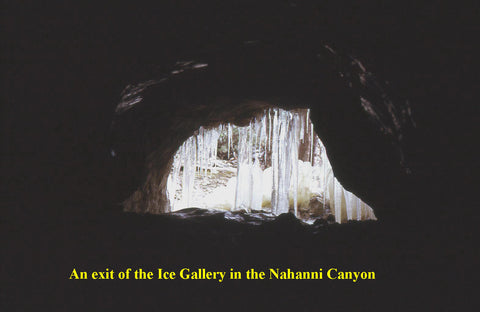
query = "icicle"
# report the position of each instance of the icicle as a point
(348, 203)
(249, 182)
(324, 169)
(282, 203)
(229, 141)
(172, 181)
(297, 127)
(256, 170)
(282, 160)
(358, 208)
(312, 141)
(274, 150)
(264, 138)
(307, 119)
(270, 128)
(189, 166)
(338, 201)
(363, 211)
(201, 150)
(302, 128)
(242, 195)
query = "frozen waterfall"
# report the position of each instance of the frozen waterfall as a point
(276, 163)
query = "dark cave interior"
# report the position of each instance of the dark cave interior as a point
(65, 70)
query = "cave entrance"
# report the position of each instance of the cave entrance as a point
(275, 164)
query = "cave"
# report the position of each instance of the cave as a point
(268, 113)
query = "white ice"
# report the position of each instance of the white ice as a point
(280, 166)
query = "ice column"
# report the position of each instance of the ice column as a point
(244, 183)
(285, 136)
(189, 153)
(251, 144)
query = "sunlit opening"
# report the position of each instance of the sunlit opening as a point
(276, 164)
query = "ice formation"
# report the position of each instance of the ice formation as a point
(276, 163)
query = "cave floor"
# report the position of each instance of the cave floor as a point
(406, 260)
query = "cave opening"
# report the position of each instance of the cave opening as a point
(274, 164)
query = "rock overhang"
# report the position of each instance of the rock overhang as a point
(350, 110)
